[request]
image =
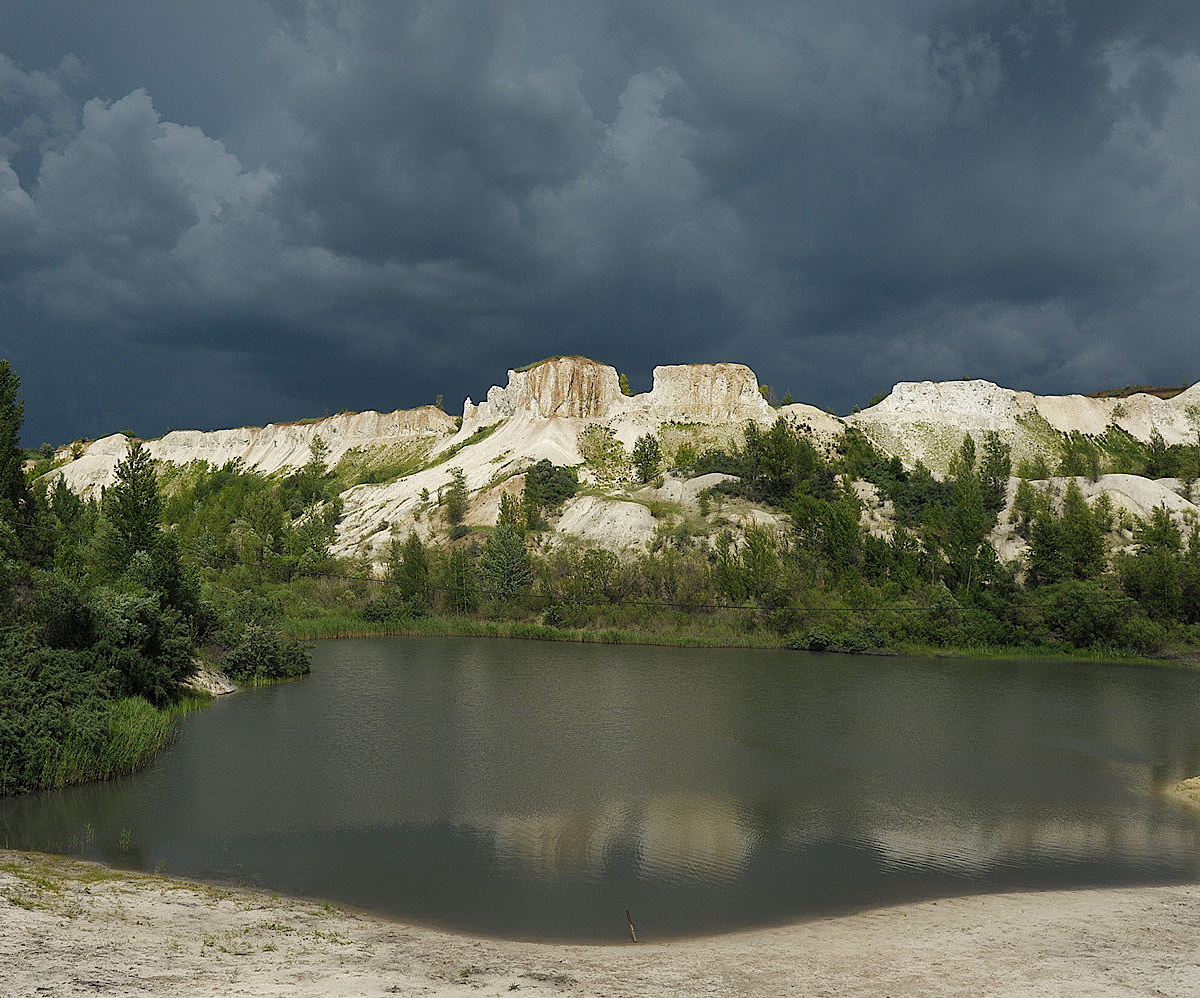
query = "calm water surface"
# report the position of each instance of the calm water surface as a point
(538, 790)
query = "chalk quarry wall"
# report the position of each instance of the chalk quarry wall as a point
(927, 420)
(540, 411)
(578, 388)
(276, 447)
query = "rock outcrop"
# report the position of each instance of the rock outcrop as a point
(578, 388)
(705, 393)
(542, 409)
(562, 387)
(926, 421)
(275, 447)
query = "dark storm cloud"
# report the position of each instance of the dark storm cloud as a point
(364, 204)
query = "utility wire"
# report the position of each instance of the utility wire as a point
(704, 607)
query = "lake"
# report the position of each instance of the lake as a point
(537, 790)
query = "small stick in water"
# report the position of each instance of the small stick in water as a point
(632, 930)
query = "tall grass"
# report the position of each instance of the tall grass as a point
(134, 733)
(348, 626)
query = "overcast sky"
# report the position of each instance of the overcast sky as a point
(237, 211)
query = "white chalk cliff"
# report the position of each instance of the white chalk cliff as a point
(926, 420)
(542, 409)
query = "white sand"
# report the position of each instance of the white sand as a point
(69, 928)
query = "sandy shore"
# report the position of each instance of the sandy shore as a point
(70, 928)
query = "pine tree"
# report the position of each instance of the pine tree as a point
(410, 572)
(968, 519)
(1153, 575)
(647, 456)
(456, 497)
(512, 514)
(995, 472)
(15, 504)
(1158, 462)
(504, 565)
(458, 581)
(132, 506)
(1082, 538)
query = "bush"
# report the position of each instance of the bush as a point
(604, 454)
(387, 608)
(148, 647)
(49, 697)
(811, 639)
(264, 655)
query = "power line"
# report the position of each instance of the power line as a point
(709, 607)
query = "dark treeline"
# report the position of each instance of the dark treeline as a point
(103, 617)
(108, 605)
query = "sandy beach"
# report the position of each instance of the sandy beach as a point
(72, 928)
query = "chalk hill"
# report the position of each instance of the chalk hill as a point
(542, 410)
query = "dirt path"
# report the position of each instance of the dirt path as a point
(69, 928)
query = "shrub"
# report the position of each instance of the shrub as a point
(263, 654)
(647, 456)
(603, 453)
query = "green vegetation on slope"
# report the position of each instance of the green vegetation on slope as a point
(107, 606)
(103, 613)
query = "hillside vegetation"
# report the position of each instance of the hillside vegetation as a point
(104, 614)
(648, 518)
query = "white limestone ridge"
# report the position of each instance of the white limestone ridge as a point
(267, 449)
(927, 420)
(578, 388)
(539, 413)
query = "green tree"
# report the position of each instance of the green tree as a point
(603, 453)
(132, 506)
(727, 575)
(263, 654)
(408, 568)
(597, 570)
(778, 463)
(310, 486)
(1082, 612)
(512, 514)
(260, 530)
(685, 458)
(504, 565)
(1082, 536)
(1047, 563)
(760, 563)
(623, 384)
(967, 519)
(1189, 578)
(458, 581)
(647, 457)
(531, 503)
(148, 646)
(547, 487)
(995, 471)
(1153, 574)
(455, 499)
(1158, 461)
(1028, 505)
(318, 456)
(15, 502)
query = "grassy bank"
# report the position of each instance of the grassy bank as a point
(350, 626)
(133, 733)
